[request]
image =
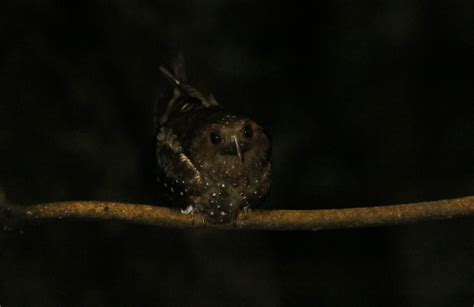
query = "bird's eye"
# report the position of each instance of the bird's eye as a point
(248, 131)
(215, 137)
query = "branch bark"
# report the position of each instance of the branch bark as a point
(258, 219)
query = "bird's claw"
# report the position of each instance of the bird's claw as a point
(246, 211)
(189, 210)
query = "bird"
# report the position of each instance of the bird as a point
(209, 161)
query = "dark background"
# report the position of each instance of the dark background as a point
(369, 103)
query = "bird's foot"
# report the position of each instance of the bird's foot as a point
(189, 210)
(242, 215)
(246, 211)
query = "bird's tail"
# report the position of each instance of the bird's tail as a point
(176, 77)
(179, 68)
(185, 97)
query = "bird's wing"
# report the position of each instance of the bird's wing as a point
(176, 172)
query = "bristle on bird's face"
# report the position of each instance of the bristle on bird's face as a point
(231, 140)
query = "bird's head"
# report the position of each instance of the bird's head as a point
(230, 142)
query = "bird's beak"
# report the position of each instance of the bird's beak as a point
(237, 148)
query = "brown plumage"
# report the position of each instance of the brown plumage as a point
(208, 160)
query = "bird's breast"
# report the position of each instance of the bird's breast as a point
(222, 198)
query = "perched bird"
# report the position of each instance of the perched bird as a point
(208, 160)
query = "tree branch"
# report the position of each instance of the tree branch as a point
(258, 219)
